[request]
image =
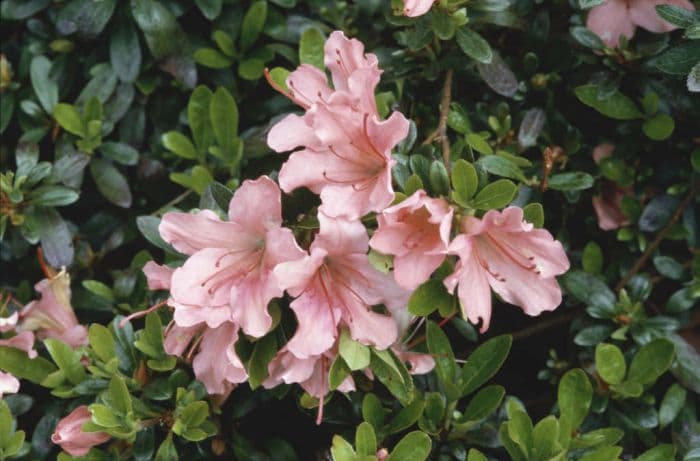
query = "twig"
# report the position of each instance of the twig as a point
(546, 324)
(173, 202)
(441, 130)
(639, 263)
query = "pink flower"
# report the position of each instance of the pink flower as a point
(621, 17)
(506, 253)
(216, 364)
(23, 340)
(8, 384)
(417, 233)
(413, 8)
(158, 277)
(347, 148)
(52, 316)
(228, 276)
(70, 436)
(335, 285)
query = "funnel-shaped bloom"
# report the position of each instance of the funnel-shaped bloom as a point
(417, 233)
(228, 276)
(503, 252)
(336, 285)
(413, 8)
(621, 17)
(346, 155)
(70, 436)
(52, 316)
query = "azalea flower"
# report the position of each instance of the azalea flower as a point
(8, 384)
(621, 17)
(70, 436)
(413, 8)
(52, 316)
(216, 363)
(505, 253)
(607, 204)
(335, 285)
(346, 155)
(417, 233)
(228, 276)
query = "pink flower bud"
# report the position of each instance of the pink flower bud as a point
(70, 436)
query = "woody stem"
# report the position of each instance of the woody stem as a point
(441, 130)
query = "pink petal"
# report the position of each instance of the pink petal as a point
(178, 338)
(213, 364)
(366, 326)
(188, 233)
(291, 132)
(318, 321)
(413, 8)
(340, 236)
(287, 368)
(344, 56)
(201, 282)
(308, 85)
(23, 341)
(158, 276)
(413, 269)
(295, 276)
(610, 20)
(257, 205)
(307, 168)
(548, 254)
(8, 384)
(8, 323)
(386, 134)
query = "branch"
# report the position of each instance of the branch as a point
(441, 130)
(639, 263)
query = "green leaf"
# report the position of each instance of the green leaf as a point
(110, 182)
(479, 144)
(429, 297)
(610, 363)
(102, 342)
(415, 446)
(48, 196)
(44, 87)
(663, 452)
(672, 404)
(484, 402)
(393, 374)
(659, 127)
(495, 195)
(484, 362)
(311, 48)
(179, 144)
(210, 8)
(67, 359)
(405, 418)
(264, 350)
(223, 112)
(251, 69)
(616, 105)
(520, 430)
(576, 180)
(534, 214)
(474, 45)
(214, 59)
(592, 258)
(198, 117)
(440, 349)
(69, 118)
(412, 184)
(99, 288)
(372, 411)
(476, 455)
(148, 225)
(605, 436)
(365, 440)
(680, 59)
(117, 396)
(341, 450)
(253, 23)
(464, 180)
(677, 15)
(574, 397)
(125, 51)
(120, 152)
(18, 363)
(355, 354)
(224, 42)
(439, 181)
(501, 166)
(166, 450)
(545, 438)
(338, 372)
(586, 37)
(669, 267)
(603, 454)
(651, 361)
(56, 238)
(104, 416)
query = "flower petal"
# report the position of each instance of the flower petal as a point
(610, 20)
(191, 232)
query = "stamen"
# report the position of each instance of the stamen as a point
(139, 314)
(486, 267)
(511, 253)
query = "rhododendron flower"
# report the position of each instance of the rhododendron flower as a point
(607, 205)
(417, 233)
(70, 436)
(52, 316)
(336, 285)
(508, 254)
(413, 8)
(8, 384)
(347, 148)
(228, 276)
(310, 373)
(621, 17)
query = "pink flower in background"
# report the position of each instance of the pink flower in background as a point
(335, 285)
(8, 384)
(621, 17)
(228, 276)
(503, 252)
(417, 233)
(413, 8)
(607, 205)
(70, 436)
(52, 316)
(347, 148)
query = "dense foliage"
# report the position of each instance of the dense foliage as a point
(128, 128)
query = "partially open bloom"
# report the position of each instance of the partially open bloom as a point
(503, 252)
(417, 233)
(607, 204)
(52, 316)
(336, 285)
(621, 17)
(413, 8)
(70, 436)
(347, 148)
(228, 276)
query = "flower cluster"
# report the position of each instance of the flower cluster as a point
(341, 150)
